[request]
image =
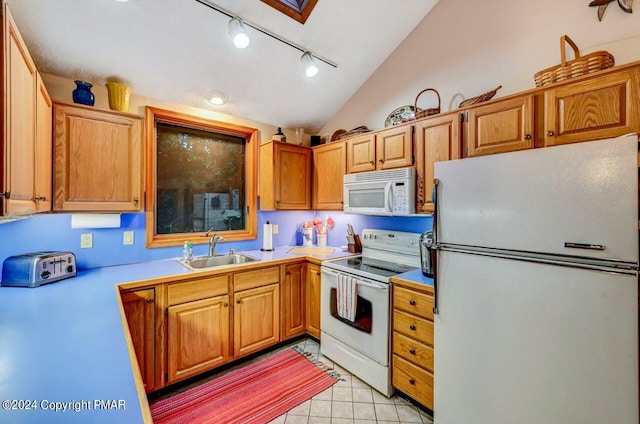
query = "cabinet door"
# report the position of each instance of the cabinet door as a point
(19, 122)
(438, 139)
(361, 153)
(139, 308)
(293, 300)
(313, 300)
(608, 106)
(394, 147)
(256, 319)
(504, 126)
(292, 177)
(329, 167)
(98, 160)
(44, 148)
(198, 337)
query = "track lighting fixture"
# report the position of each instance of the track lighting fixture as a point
(310, 67)
(241, 39)
(236, 30)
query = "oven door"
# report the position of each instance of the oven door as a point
(369, 332)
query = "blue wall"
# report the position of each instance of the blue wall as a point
(54, 232)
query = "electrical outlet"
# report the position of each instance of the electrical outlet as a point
(86, 241)
(127, 238)
(274, 229)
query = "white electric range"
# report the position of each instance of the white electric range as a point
(361, 346)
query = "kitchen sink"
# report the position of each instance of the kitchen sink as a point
(204, 262)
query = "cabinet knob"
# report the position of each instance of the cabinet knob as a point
(7, 194)
(550, 133)
(225, 304)
(381, 160)
(412, 351)
(318, 273)
(277, 201)
(41, 198)
(412, 381)
(412, 302)
(135, 201)
(238, 301)
(527, 137)
(371, 162)
(149, 300)
(412, 327)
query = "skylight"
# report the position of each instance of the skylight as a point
(295, 9)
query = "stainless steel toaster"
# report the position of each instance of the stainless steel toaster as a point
(38, 268)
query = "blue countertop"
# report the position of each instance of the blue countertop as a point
(63, 350)
(415, 276)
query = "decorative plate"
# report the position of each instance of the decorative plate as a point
(337, 134)
(400, 115)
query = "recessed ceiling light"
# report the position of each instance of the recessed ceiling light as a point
(217, 97)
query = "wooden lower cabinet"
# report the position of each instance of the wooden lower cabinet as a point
(313, 300)
(256, 319)
(412, 341)
(139, 307)
(293, 299)
(198, 337)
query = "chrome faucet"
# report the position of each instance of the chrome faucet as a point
(215, 238)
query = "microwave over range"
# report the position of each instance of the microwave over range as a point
(383, 193)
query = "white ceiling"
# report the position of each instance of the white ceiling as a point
(178, 50)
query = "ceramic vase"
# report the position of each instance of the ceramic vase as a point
(82, 94)
(322, 240)
(118, 96)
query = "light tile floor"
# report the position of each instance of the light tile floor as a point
(349, 401)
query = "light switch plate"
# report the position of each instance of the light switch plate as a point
(274, 229)
(127, 238)
(86, 241)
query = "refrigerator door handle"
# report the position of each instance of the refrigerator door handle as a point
(434, 246)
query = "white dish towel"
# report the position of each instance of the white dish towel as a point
(347, 297)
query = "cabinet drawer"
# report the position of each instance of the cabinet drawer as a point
(414, 302)
(412, 350)
(413, 380)
(197, 289)
(257, 278)
(413, 326)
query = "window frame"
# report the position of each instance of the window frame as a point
(153, 115)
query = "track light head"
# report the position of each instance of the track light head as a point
(236, 30)
(310, 67)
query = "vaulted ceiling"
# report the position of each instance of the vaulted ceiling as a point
(178, 50)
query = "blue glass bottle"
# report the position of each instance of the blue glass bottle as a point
(82, 94)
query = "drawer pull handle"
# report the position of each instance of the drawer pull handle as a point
(412, 381)
(412, 351)
(412, 302)
(412, 327)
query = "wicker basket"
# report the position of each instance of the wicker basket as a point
(481, 98)
(421, 113)
(581, 65)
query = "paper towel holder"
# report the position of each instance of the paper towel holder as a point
(264, 234)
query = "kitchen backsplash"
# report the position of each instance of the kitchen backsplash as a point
(54, 232)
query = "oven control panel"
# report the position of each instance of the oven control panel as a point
(394, 241)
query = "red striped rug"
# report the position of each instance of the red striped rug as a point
(255, 394)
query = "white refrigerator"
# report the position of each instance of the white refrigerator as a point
(537, 286)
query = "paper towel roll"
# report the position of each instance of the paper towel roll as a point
(267, 236)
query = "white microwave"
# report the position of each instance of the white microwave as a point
(383, 193)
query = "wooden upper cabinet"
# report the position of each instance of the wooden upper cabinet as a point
(394, 147)
(44, 148)
(384, 149)
(502, 126)
(329, 167)
(285, 176)
(438, 139)
(361, 153)
(98, 160)
(593, 109)
(17, 164)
